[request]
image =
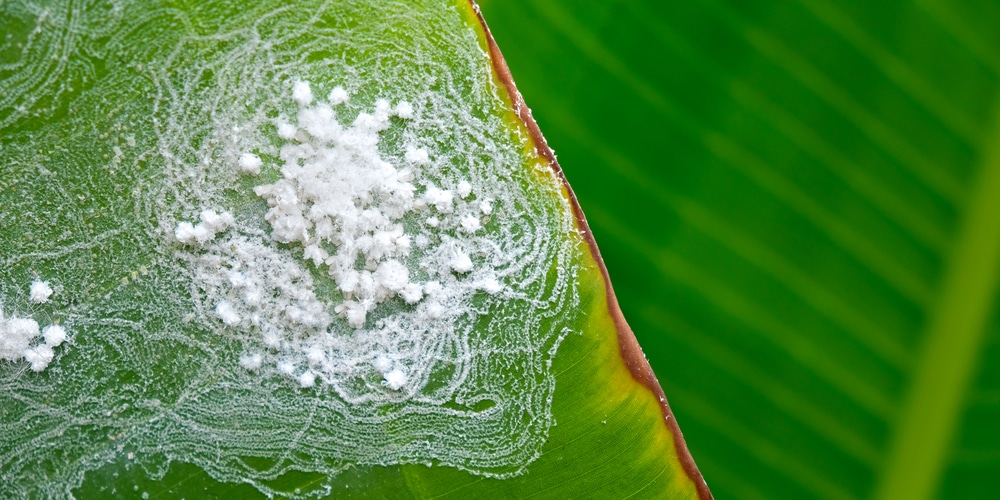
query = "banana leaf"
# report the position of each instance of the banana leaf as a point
(799, 205)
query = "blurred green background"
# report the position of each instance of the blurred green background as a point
(799, 206)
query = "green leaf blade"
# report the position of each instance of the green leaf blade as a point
(781, 191)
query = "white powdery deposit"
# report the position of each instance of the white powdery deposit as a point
(211, 224)
(19, 335)
(249, 163)
(16, 335)
(40, 292)
(342, 209)
(398, 264)
(341, 202)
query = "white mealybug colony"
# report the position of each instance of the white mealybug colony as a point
(348, 214)
(388, 276)
(19, 335)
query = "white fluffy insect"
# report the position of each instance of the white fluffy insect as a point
(40, 292)
(249, 163)
(18, 341)
(396, 379)
(302, 93)
(54, 335)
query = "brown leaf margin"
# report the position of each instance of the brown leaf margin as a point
(628, 346)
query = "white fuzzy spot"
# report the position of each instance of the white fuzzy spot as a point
(404, 110)
(492, 286)
(470, 223)
(54, 335)
(184, 233)
(433, 288)
(202, 234)
(250, 163)
(461, 263)
(40, 292)
(15, 336)
(392, 275)
(382, 364)
(440, 198)
(464, 189)
(307, 379)
(227, 313)
(39, 357)
(411, 293)
(395, 379)
(271, 339)
(316, 254)
(338, 96)
(302, 93)
(434, 311)
(206, 230)
(285, 367)
(315, 355)
(417, 156)
(216, 222)
(355, 314)
(251, 362)
(286, 130)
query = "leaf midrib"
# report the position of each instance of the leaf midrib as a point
(955, 331)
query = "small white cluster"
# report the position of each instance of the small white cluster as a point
(340, 96)
(225, 311)
(17, 335)
(249, 163)
(251, 362)
(440, 198)
(341, 201)
(211, 224)
(247, 304)
(417, 156)
(302, 93)
(460, 262)
(394, 377)
(341, 207)
(40, 292)
(464, 189)
(307, 379)
(395, 380)
(470, 223)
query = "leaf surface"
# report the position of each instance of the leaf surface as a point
(157, 166)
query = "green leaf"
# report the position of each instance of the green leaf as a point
(210, 198)
(799, 203)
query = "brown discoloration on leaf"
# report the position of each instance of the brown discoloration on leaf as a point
(631, 353)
